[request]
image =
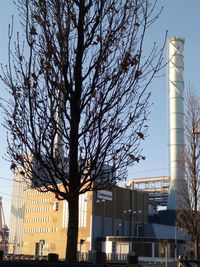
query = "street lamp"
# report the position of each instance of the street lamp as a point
(129, 211)
(132, 220)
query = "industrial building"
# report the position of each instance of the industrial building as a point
(115, 221)
(43, 228)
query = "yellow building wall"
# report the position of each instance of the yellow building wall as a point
(43, 220)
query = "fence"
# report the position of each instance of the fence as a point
(110, 257)
(123, 259)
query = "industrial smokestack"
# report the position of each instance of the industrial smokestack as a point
(176, 114)
(58, 141)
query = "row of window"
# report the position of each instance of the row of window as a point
(38, 201)
(38, 219)
(41, 230)
(39, 209)
(36, 192)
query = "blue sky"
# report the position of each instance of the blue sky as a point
(180, 18)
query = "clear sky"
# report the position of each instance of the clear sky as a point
(181, 18)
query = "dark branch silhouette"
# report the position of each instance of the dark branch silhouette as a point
(188, 215)
(79, 101)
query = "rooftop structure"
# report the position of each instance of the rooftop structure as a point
(157, 188)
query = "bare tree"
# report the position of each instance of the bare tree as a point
(188, 216)
(79, 95)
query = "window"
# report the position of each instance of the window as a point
(55, 206)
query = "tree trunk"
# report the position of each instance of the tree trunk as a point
(72, 231)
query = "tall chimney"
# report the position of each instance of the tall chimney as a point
(176, 114)
(58, 141)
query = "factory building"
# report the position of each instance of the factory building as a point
(43, 230)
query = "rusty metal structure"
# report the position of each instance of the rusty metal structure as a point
(3, 230)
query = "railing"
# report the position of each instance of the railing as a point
(117, 257)
(110, 257)
(122, 258)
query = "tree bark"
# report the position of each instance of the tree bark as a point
(72, 231)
